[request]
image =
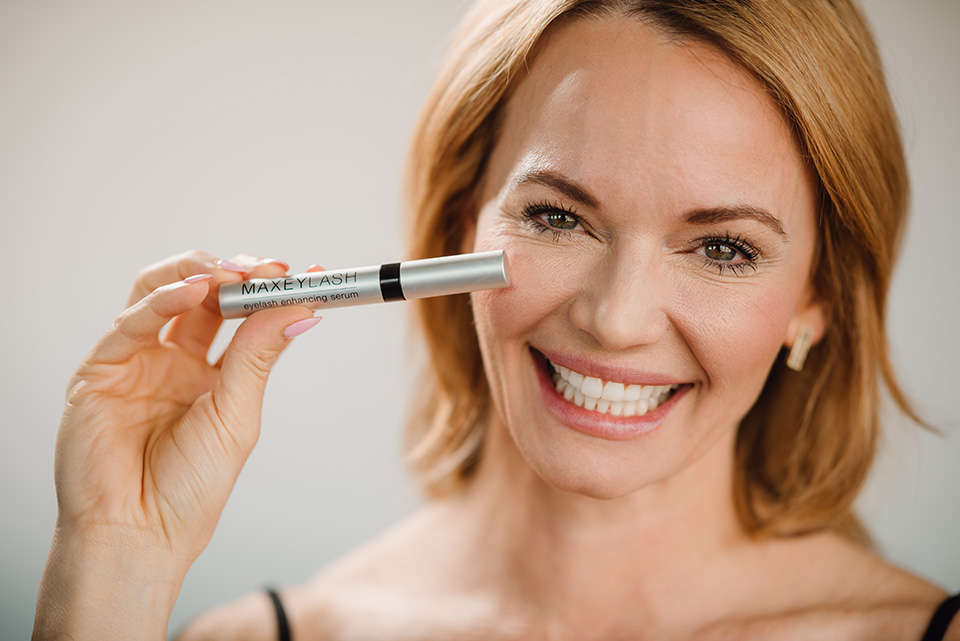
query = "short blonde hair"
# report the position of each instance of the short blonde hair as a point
(804, 449)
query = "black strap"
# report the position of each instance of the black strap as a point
(283, 628)
(942, 618)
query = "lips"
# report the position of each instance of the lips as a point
(608, 397)
(609, 409)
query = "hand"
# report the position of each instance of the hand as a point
(153, 437)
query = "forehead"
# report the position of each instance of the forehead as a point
(612, 102)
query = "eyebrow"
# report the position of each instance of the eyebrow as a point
(567, 187)
(707, 216)
(715, 215)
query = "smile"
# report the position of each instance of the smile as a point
(608, 397)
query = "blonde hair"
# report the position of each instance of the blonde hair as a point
(804, 449)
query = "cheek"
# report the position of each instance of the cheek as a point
(507, 319)
(543, 278)
(541, 286)
(737, 334)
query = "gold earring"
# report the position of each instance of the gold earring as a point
(800, 349)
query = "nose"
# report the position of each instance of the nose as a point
(623, 304)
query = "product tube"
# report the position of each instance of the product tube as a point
(364, 285)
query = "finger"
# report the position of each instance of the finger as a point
(291, 334)
(248, 265)
(195, 330)
(247, 363)
(174, 269)
(276, 262)
(138, 326)
(219, 364)
(257, 267)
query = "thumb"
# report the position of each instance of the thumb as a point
(258, 342)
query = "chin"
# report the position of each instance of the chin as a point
(589, 470)
(594, 488)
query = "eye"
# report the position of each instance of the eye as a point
(720, 252)
(735, 254)
(553, 217)
(560, 220)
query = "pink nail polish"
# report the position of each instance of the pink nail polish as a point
(276, 261)
(230, 267)
(198, 278)
(315, 268)
(295, 329)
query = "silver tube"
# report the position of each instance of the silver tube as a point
(365, 285)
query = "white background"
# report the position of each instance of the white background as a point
(132, 131)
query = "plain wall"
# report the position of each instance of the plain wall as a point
(132, 131)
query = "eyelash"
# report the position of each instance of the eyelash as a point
(751, 253)
(738, 244)
(532, 212)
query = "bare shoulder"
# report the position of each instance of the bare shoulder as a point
(249, 618)
(850, 591)
(879, 581)
(374, 592)
(394, 587)
(311, 616)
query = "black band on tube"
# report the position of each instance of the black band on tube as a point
(390, 282)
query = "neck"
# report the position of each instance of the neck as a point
(576, 560)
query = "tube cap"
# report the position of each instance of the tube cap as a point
(454, 274)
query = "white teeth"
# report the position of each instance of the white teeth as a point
(617, 399)
(592, 386)
(613, 392)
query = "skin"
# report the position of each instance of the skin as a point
(570, 531)
(611, 538)
(148, 421)
(628, 295)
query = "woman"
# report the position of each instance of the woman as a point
(616, 448)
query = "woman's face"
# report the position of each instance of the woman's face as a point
(660, 227)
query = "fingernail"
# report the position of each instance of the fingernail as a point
(230, 267)
(316, 268)
(299, 327)
(198, 278)
(276, 261)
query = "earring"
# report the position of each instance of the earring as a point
(800, 349)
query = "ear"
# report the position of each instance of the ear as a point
(812, 313)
